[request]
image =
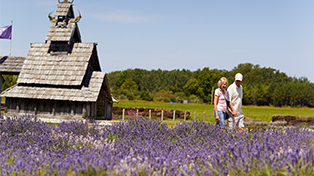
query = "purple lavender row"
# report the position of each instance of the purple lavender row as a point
(148, 147)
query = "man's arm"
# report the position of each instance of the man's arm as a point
(232, 92)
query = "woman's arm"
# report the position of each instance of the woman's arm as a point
(233, 111)
(215, 108)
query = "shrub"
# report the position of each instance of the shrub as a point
(146, 96)
(195, 99)
(166, 96)
(122, 97)
(163, 99)
(179, 97)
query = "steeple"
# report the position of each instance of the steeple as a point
(62, 77)
(63, 31)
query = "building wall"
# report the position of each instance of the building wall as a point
(49, 108)
(104, 106)
(109, 108)
(101, 110)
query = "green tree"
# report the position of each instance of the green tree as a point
(195, 99)
(9, 80)
(261, 85)
(129, 84)
(165, 96)
(191, 87)
(180, 96)
(129, 89)
(207, 79)
(146, 96)
(175, 88)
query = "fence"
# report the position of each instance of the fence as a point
(158, 113)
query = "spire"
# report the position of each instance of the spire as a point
(64, 26)
(66, 1)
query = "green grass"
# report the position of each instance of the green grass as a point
(263, 113)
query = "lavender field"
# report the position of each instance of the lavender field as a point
(148, 147)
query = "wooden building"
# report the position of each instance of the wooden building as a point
(61, 78)
(10, 65)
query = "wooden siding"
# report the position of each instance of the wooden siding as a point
(51, 108)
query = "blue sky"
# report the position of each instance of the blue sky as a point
(179, 34)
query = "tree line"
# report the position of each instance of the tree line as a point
(261, 86)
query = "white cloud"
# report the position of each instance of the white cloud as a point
(125, 16)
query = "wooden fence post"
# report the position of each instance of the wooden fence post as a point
(123, 111)
(150, 114)
(212, 98)
(184, 115)
(137, 113)
(174, 114)
(194, 115)
(204, 116)
(162, 115)
(84, 112)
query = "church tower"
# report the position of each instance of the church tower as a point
(61, 78)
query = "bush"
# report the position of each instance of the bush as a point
(195, 99)
(146, 96)
(163, 99)
(122, 97)
(166, 96)
(9, 80)
(130, 95)
(179, 97)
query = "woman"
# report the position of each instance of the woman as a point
(220, 103)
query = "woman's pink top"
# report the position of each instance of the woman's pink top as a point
(222, 104)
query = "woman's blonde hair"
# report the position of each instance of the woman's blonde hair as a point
(222, 80)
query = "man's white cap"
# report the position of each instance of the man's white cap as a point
(238, 77)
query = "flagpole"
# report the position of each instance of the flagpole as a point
(11, 37)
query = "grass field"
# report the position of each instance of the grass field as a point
(263, 113)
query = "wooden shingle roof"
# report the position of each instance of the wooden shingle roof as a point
(40, 67)
(11, 64)
(64, 27)
(62, 69)
(60, 34)
(84, 94)
(96, 81)
(63, 9)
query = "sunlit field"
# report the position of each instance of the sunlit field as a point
(263, 113)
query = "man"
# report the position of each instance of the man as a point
(236, 95)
